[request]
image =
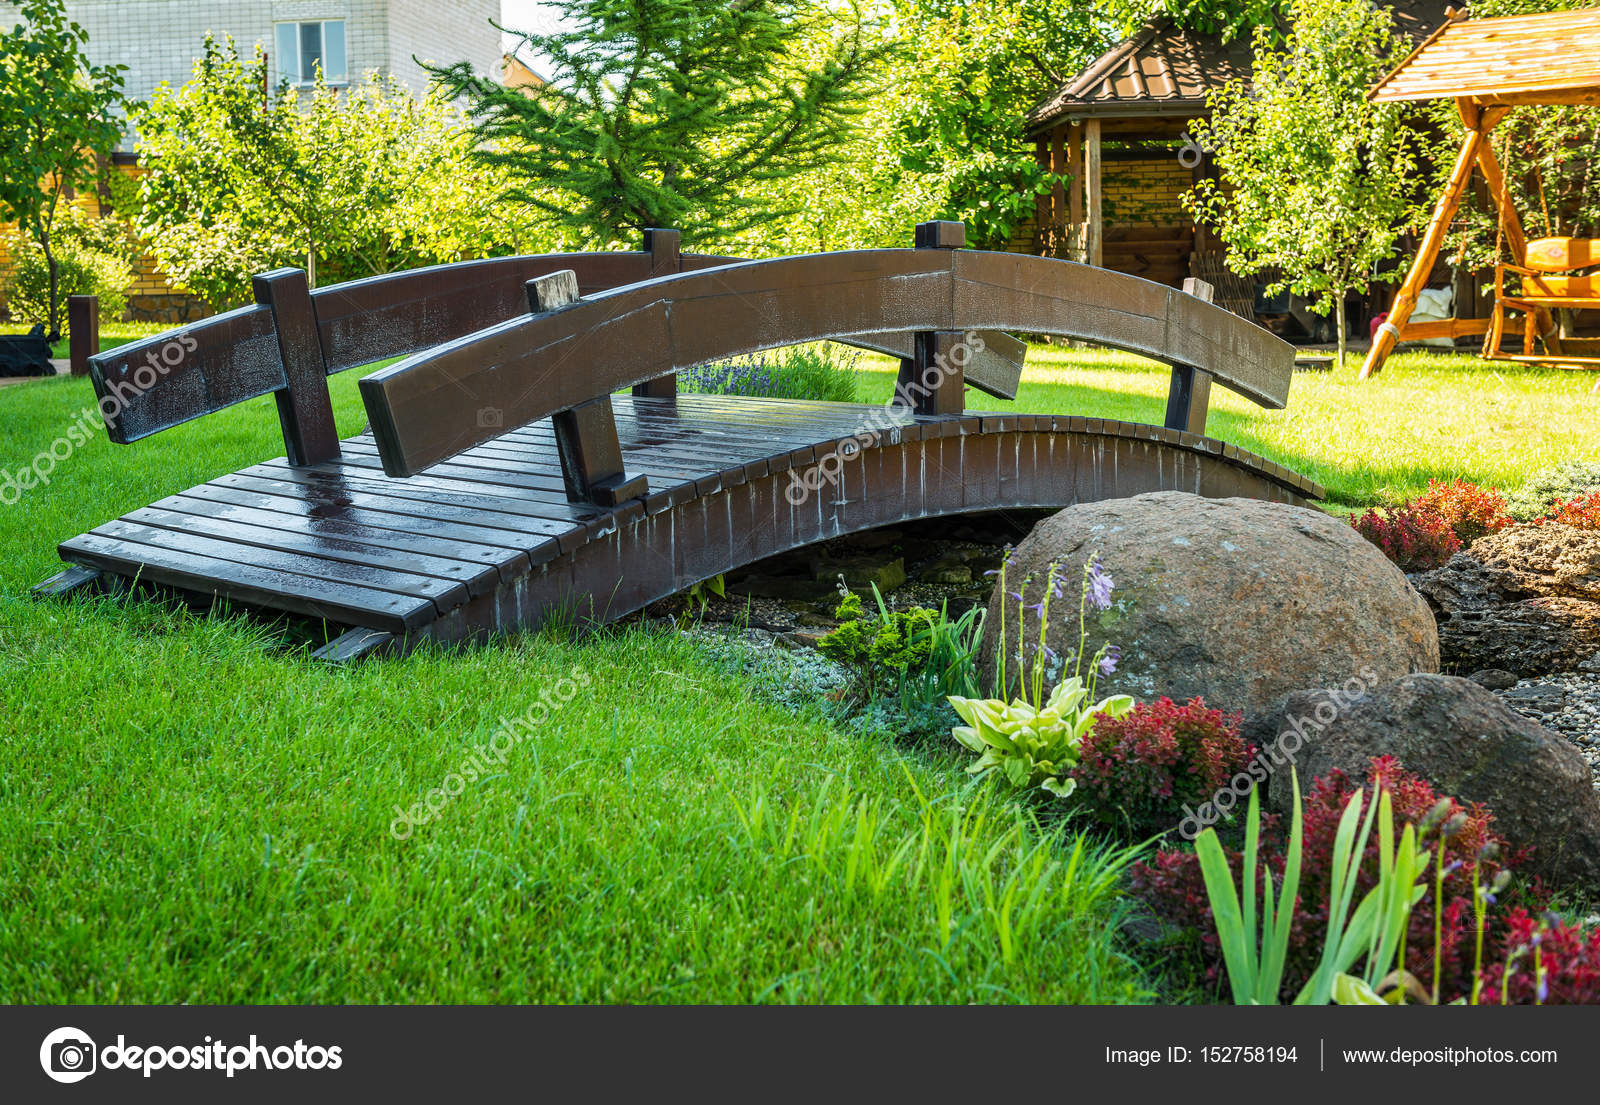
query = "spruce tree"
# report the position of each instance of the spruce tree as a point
(662, 112)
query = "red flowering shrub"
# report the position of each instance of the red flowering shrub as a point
(1568, 958)
(1175, 890)
(1414, 540)
(1580, 512)
(1137, 772)
(1470, 511)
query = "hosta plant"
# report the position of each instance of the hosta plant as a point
(1034, 747)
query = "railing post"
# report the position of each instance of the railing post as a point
(1190, 393)
(586, 435)
(931, 380)
(83, 327)
(304, 408)
(666, 257)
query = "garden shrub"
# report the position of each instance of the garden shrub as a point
(801, 372)
(1470, 511)
(1414, 540)
(1580, 512)
(1137, 772)
(94, 256)
(1172, 884)
(1544, 961)
(1563, 481)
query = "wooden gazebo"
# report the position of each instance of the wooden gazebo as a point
(1488, 66)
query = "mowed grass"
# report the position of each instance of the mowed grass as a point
(192, 811)
(1425, 416)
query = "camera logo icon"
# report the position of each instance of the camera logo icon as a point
(68, 1055)
(491, 418)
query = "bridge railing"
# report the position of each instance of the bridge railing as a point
(292, 339)
(566, 357)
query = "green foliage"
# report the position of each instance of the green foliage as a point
(1227, 18)
(823, 372)
(879, 647)
(664, 113)
(1375, 929)
(58, 114)
(93, 256)
(344, 182)
(1570, 479)
(1314, 179)
(1034, 748)
(1254, 954)
(970, 73)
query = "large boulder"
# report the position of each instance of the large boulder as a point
(1526, 600)
(1237, 600)
(1464, 741)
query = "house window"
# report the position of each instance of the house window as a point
(303, 47)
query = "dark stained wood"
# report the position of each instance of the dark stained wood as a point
(355, 645)
(304, 408)
(424, 408)
(933, 380)
(1189, 396)
(71, 581)
(83, 330)
(663, 248)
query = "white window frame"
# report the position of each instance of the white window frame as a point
(298, 77)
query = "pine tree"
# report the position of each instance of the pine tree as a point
(662, 112)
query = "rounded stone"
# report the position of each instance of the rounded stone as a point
(1235, 600)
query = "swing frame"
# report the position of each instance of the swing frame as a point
(1488, 66)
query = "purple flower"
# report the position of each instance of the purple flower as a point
(1544, 987)
(1108, 662)
(1037, 608)
(1099, 585)
(1014, 595)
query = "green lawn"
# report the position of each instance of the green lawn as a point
(191, 811)
(113, 334)
(1427, 415)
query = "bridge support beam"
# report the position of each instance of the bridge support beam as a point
(586, 435)
(1189, 397)
(931, 380)
(664, 248)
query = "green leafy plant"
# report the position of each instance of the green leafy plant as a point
(93, 256)
(1255, 955)
(59, 116)
(878, 647)
(1034, 747)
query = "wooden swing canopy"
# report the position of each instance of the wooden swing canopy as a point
(1488, 66)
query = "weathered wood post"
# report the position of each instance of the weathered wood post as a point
(1190, 394)
(666, 257)
(304, 408)
(930, 380)
(83, 326)
(586, 435)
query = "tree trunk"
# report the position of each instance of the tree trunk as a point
(53, 298)
(1338, 314)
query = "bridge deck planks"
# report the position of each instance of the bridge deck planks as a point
(344, 542)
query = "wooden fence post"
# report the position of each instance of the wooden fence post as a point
(931, 379)
(304, 409)
(83, 328)
(586, 435)
(664, 248)
(1190, 393)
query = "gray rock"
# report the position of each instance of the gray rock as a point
(1237, 600)
(1526, 600)
(1495, 679)
(1536, 699)
(1464, 741)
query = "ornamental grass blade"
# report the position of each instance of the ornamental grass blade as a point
(1225, 914)
(1277, 928)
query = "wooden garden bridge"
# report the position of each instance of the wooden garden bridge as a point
(531, 449)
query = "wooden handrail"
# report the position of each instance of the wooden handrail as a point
(428, 407)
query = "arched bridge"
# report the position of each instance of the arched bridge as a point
(531, 449)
